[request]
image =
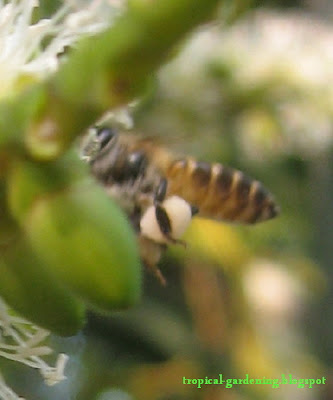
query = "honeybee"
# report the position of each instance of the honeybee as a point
(161, 193)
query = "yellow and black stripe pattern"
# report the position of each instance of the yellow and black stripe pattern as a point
(220, 192)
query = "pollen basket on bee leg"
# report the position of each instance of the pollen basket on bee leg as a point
(179, 213)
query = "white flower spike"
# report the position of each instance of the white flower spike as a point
(22, 56)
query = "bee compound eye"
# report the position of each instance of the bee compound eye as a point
(104, 135)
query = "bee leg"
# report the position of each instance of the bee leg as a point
(161, 214)
(160, 194)
(158, 274)
(165, 224)
(151, 253)
(160, 191)
(154, 269)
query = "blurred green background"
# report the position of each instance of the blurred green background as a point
(256, 93)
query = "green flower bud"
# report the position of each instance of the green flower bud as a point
(80, 234)
(33, 292)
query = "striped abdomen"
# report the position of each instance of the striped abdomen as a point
(220, 192)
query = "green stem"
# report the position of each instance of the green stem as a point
(110, 69)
